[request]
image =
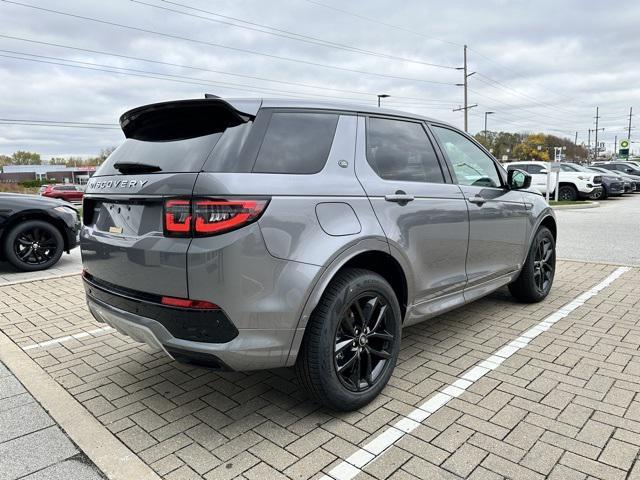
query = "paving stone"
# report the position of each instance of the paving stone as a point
(22, 420)
(619, 454)
(33, 452)
(542, 458)
(465, 460)
(66, 470)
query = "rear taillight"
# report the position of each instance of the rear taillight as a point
(177, 217)
(209, 216)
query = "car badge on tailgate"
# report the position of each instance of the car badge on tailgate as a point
(115, 229)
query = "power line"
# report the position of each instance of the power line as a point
(389, 25)
(202, 69)
(40, 124)
(213, 44)
(167, 77)
(56, 121)
(285, 33)
(419, 34)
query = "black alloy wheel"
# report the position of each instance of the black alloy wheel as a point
(363, 342)
(33, 245)
(543, 265)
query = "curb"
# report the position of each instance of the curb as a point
(39, 279)
(103, 448)
(579, 206)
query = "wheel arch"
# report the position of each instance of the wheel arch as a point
(370, 254)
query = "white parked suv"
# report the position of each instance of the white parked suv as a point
(572, 186)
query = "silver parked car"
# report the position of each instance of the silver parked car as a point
(250, 234)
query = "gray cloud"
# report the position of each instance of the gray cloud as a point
(542, 66)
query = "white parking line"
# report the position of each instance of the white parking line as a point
(352, 466)
(57, 341)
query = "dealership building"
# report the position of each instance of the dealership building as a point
(45, 173)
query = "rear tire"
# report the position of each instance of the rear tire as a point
(351, 342)
(33, 245)
(568, 193)
(536, 277)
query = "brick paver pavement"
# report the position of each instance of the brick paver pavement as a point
(32, 446)
(565, 406)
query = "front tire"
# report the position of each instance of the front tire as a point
(33, 245)
(567, 193)
(536, 277)
(351, 342)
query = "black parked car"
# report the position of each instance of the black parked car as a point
(34, 231)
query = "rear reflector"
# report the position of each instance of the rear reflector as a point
(186, 303)
(210, 216)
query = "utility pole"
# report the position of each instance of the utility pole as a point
(575, 142)
(589, 143)
(595, 155)
(615, 147)
(630, 117)
(466, 96)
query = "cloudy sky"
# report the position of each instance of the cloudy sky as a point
(540, 66)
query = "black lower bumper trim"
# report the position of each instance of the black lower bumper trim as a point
(206, 326)
(198, 359)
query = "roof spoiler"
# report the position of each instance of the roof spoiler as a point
(181, 119)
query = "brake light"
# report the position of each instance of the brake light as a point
(177, 217)
(187, 303)
(217, 216)
(209, 216)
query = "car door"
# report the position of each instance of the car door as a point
(423, 214)
(497, 215)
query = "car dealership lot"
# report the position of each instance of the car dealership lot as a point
(564, 405)
(608, 233)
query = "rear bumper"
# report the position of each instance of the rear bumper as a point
(251, 349)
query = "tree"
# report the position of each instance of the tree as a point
(22, 157)
(105, 152)
(58, 161)
(5, 160)
(533, 147)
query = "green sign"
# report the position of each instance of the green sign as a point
(624, 144)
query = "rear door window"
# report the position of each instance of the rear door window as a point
(401, 151)
(296, 142)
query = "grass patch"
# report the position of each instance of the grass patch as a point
(569, 202)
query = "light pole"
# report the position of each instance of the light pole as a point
(485, 124)
(382, 95)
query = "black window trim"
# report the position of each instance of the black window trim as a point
(501, 171)
(447, 177)
(264, 116)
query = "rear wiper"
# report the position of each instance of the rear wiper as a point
(124, 167)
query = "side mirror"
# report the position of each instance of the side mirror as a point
(518, 180)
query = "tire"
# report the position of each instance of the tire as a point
(22, 237)
(530, 286)
(567, 193)
(602, 195)
(334, 338)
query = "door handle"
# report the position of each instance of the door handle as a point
(478, 200)
(399, 197)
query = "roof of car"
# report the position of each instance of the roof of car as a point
(252, 105)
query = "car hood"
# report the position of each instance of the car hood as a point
(35, 201)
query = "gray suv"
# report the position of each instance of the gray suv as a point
(249, 234)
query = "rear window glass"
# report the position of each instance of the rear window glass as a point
(174, 156)
(401, 151)
(296, 143)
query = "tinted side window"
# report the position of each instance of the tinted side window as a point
(471, 165)
(401, 151)
(535, 168)
(568, 168)
(296, 143)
